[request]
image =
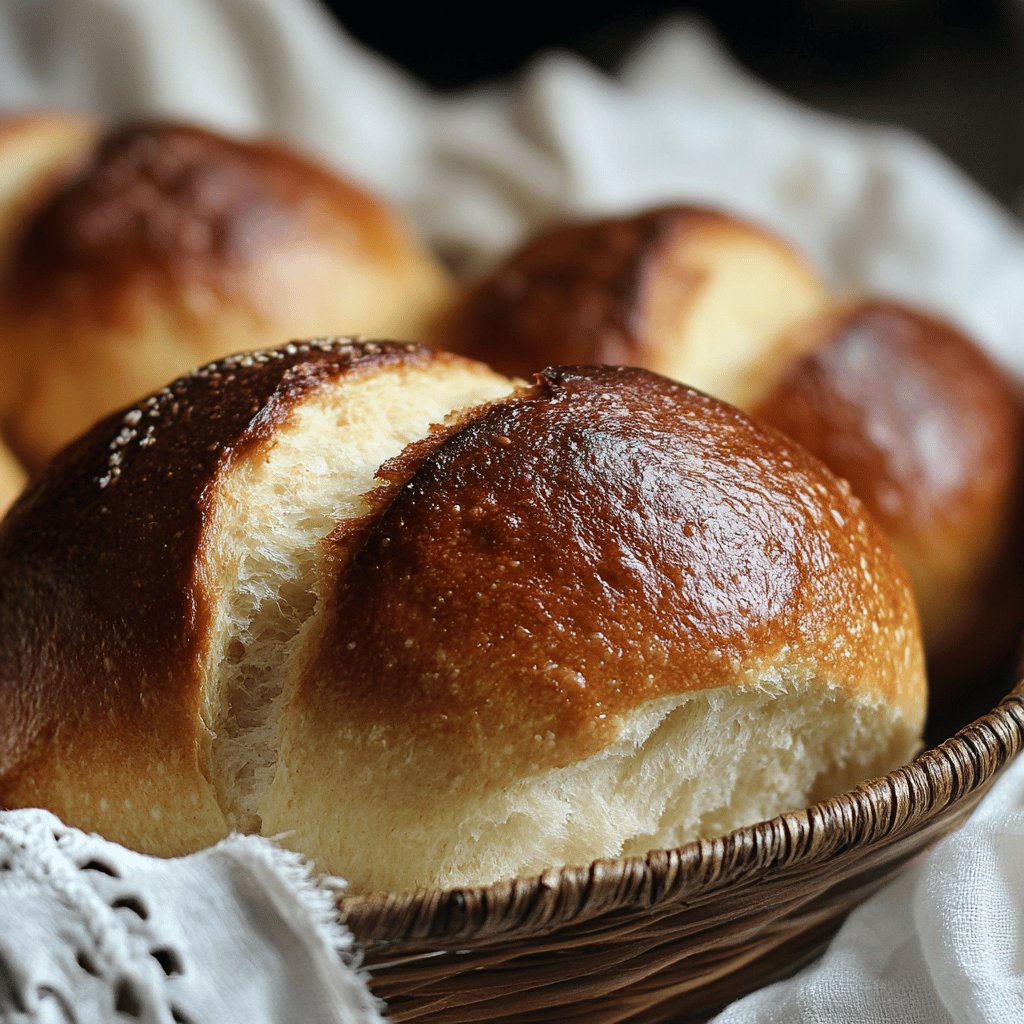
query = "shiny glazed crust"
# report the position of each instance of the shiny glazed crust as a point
(555, 599)
(903, 405)
(515, 585)
(605, 538)
(172, 246)
(927, 431)
(695, 294)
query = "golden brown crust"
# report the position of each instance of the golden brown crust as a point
(903, 406)
(37, 150)
(170, 205)
(526, 578)
(616, 291)
(569, 296)
(28, 126)
(923, 425)
(602, 539)
(925, 428)
(103, 608)
(173, 246)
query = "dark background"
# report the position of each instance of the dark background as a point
(952, 70)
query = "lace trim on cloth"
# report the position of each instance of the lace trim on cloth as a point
(91, 932)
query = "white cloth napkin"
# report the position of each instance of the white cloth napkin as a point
(237, 934)
(875, 208)
(943, 944)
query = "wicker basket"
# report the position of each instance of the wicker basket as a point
(676, 935)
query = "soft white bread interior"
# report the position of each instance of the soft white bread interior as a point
(205, 506)
(264, 547)
(678, 768)
(599, 614)
(606, 615)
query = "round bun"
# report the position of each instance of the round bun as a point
(36, 151)
(440, 628)
(690, 293)
(172, 246)
(903, 405)
(927, 431)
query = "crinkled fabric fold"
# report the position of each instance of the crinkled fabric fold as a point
(942, 944)
(874, 207)
(240, 933)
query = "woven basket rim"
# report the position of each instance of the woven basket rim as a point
(873, 812)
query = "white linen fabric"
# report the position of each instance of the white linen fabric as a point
(873, 207)
(943, 944)
(238, 933)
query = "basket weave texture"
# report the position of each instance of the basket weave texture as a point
(678, 934)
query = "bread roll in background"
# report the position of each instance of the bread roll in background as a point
(171, 246)
(924, 426)
(439, 627)
(690, 293)
(927, 431)
(36, 151)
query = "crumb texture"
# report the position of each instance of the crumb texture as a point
(264, 549)
(680, 768)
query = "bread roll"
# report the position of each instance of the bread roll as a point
(595, 615)
(36, 151)
(173, 246)
(924, 426)
(927, 431)
(690, 293)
